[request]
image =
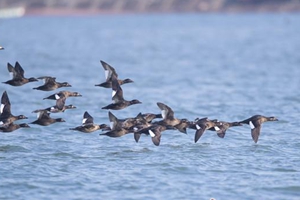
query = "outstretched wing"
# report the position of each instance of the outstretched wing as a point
(199, 132)
(255, 132)
(166, 111)
(108, 70)
(19, 70)
(60, 103)
(13, 73)
(117, 92)
(87, 118)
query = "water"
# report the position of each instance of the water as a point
(228, 67)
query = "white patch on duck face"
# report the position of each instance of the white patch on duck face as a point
(52, 109)
(1, 108)
(84, 120)
(151, 133)
(57, 96)
(198, 127)
(251, 125)
(217, 128)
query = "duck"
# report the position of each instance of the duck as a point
(88, 125)
(64, 93)
(59, 107)
(183, 125)
(203, 124)
(168, 116)
(109, 71)
(12, 127)
(116, 128)
(154, 131)
(6, 117)
(255, 122)
(223, 126)
(117, 97)
(18, 78)
(151, 116)
(51, 84)
(44, 119)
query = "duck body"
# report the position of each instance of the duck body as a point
(51, 84)
(255, 122)
(223, 126)
(12, 127)
(88, 125)
(6, 117)
(44, 119)
(119, 102)
(109, 72)
(18, 75)
(62, 94)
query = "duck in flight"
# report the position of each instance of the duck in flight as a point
(63, 94)
(255, 122)
(117, 96)
(44, 119)
(51, 84)
(6, 117)
(109, 72)
(12, 127)
(18, 78)
(59, 107)
(88, 125)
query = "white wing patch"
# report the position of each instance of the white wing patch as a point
(111, 124)
(198, 127)
(217, 128)
(251, 125)
(11, 75)
(1, 108)
(84, 120)
(164, 114)
(1, 123)
(57, 96)
(106, 73)
(151, 133)
(38, 114)
(113, 93)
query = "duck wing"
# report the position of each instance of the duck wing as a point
(12, 71)
(166, 111)
(255, 131)
(19, 70)
(87, 119)
(108, 70)
(199, 132)
(60, 103)
(117, 92)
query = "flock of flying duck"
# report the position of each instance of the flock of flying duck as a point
(147, 123)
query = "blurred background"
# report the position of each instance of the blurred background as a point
(27, 7)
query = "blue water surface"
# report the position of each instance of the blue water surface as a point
(222, 66)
